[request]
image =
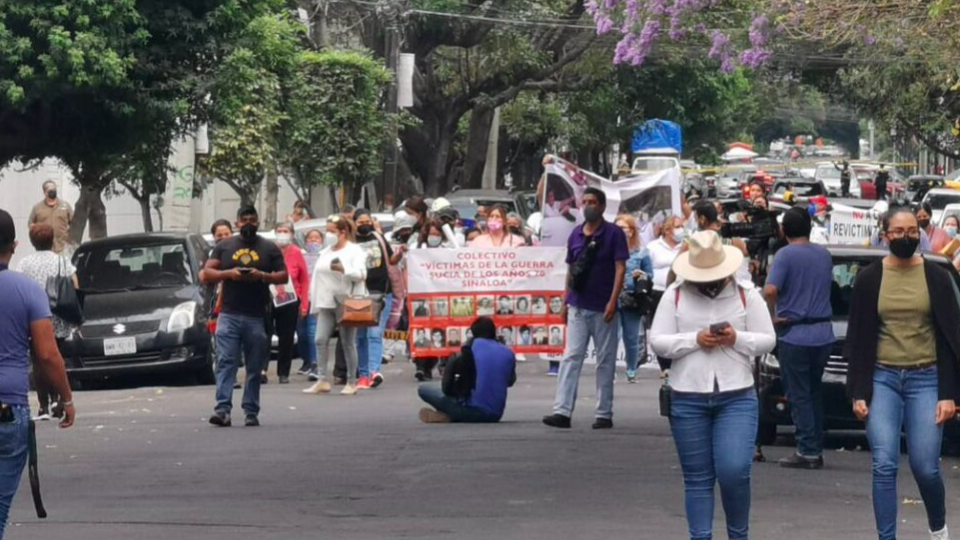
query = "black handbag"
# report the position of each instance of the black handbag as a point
(64, 298)
(639, 300)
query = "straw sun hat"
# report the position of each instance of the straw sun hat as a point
(707, 259)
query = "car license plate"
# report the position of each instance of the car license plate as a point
(119, 346)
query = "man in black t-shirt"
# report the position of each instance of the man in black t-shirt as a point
(246, 265)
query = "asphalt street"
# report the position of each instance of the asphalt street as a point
(143, 463)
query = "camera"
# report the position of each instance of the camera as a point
(760, 224)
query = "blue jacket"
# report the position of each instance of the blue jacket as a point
(639, 260)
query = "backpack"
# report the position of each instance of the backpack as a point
(460, 375)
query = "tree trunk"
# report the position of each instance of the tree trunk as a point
(89, 208)
(145, 213)
(478, 143)
(428, 154)
(270, 199)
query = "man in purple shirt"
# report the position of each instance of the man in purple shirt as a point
(597, 257)
(25, 324)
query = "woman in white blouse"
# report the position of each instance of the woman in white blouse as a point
(663, 251)
(341, 270)
(712, 327)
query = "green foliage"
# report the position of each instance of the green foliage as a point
(336, 129)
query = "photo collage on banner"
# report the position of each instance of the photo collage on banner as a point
(523, 294)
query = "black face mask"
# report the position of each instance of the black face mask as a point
(924, 223)
(592, 214)
(712, 289)
(248, 231)
(365, 230)
(52, 194)
(904, 248)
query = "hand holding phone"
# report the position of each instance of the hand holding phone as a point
(719, 328)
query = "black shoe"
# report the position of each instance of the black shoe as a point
(220, 419)
(283, 380)
(557, 421)
(339, 381)
(603, 423)
(264, 379)
(420, 376)
(796, 461)
(251, 421)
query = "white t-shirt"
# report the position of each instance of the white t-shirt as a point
(326, 285)
(662, 257)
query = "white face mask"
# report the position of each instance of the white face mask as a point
(434, 241)
(679, 234)
(284, 239)
(330, 239)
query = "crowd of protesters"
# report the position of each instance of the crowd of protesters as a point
(702, 301)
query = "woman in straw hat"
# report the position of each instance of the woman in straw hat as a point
(712, 326)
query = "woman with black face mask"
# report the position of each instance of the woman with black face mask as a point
(380, 276)
(938, 237)
(712, 327)
(903, 349)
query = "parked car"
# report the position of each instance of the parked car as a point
(146, 311)
(301, 229)
(867, 175)
(949, 210)
(918, 186)
(830, 176)
(803, 190)
(838, 414)
(466, 201)
(938, 199)
(728, 184)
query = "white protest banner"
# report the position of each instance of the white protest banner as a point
(522, 290)
(649, 196)
(851, 226)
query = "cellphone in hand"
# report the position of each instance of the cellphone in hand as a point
(245, 270)
(719, 328)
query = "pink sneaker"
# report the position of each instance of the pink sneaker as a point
(363, 383)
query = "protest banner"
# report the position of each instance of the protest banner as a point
(649, 196)
(522, 290)
(851, 226)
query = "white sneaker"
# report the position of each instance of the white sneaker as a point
(940, 535)
(349, 390)
(321, 387)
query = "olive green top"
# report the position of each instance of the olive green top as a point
(907, 335)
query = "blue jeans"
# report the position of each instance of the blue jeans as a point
(582, 325)
(306, 335)
(714, 434)
(14, 445)
(905, 399)
(457, 411)
(236, 333)
(802, 370)
(370, 341)
(631, 332)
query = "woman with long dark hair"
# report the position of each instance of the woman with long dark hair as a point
(903, 349)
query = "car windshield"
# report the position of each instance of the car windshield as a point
(803, 190)
(828, 172)
(468, 209)
(939, 201)
(845, 272)
(133, 267)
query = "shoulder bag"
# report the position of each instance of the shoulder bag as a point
(359, 310)
(64, 298)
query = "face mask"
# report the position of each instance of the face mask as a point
(434, 241)
(52, 194)
(592, 214)
(904, 248)
(248, 231)
(951, 231)
(482, 223)
(365, 230)
(679, 234)
(284, 239)
(314, 248)
(495, 225)
(712, 289)
(924, 223)
(330, 239)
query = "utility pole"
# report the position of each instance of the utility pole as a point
(390, 14)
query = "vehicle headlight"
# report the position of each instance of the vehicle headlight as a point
(183, 317)
(771, 361)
